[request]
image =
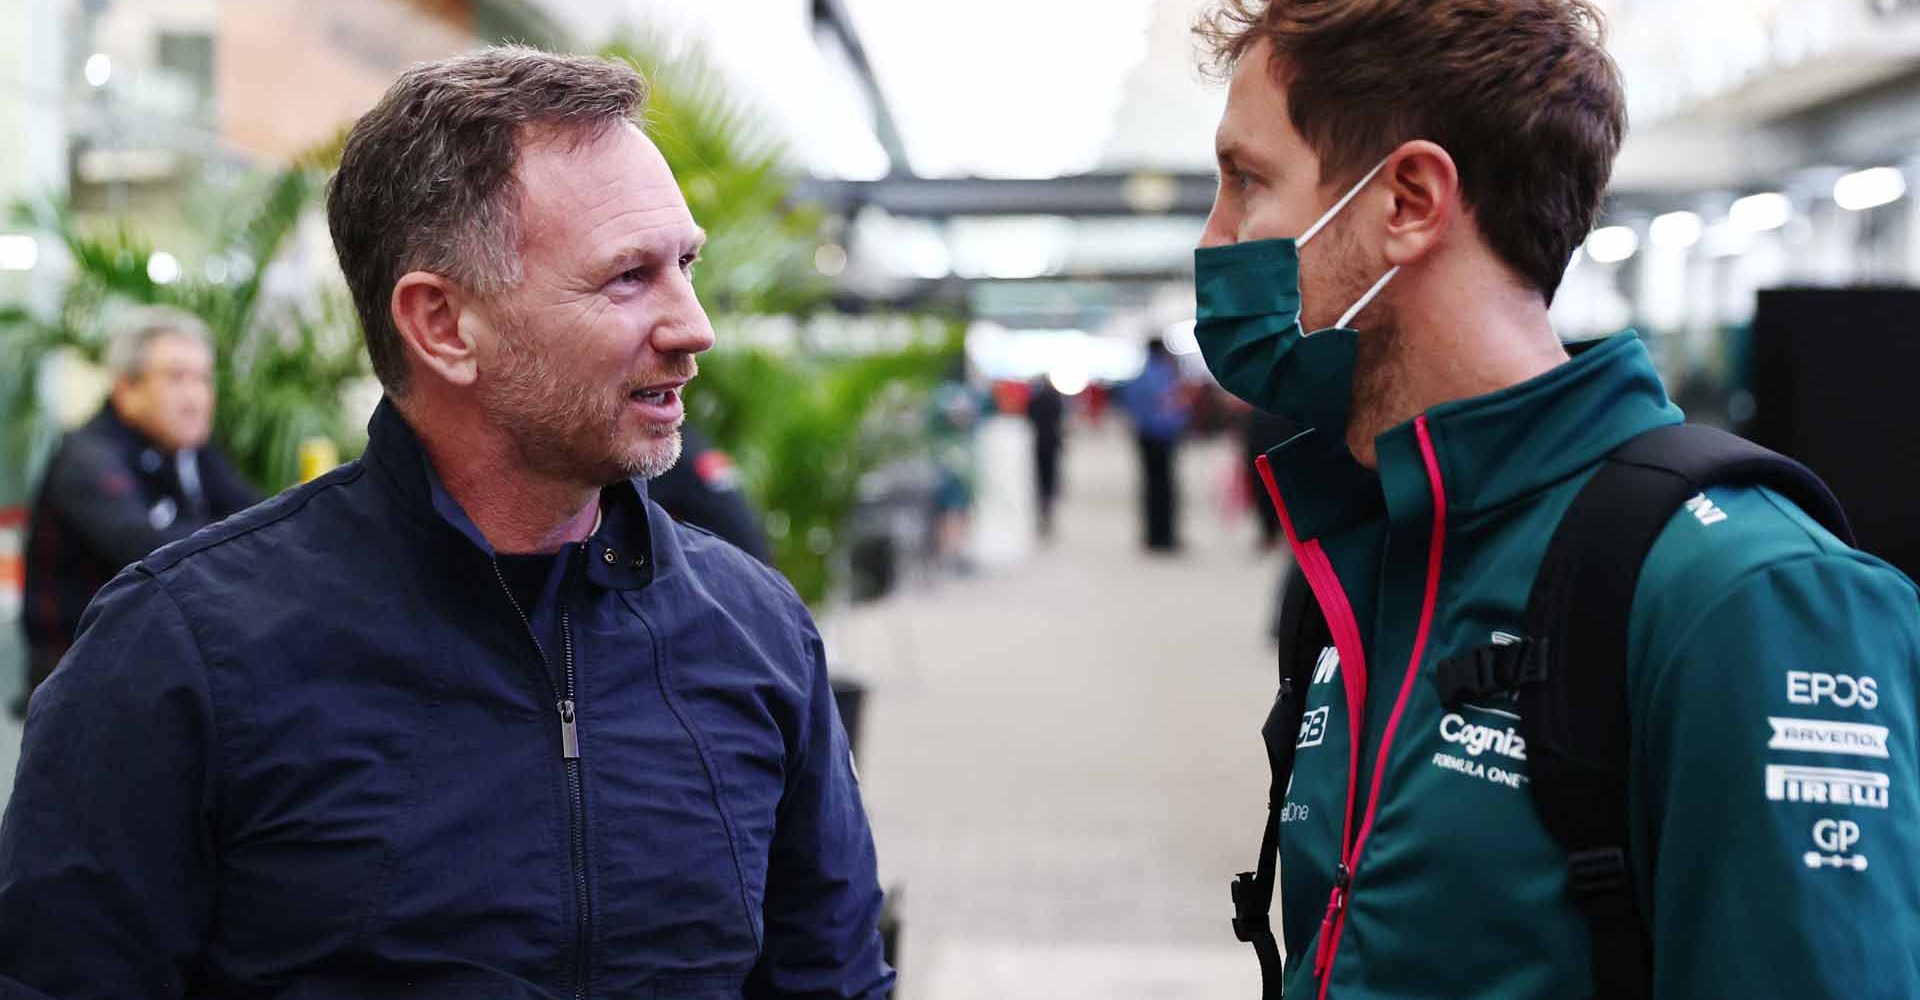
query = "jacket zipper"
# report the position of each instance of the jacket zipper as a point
(570, 753)
(1333, 601)
(566, 703)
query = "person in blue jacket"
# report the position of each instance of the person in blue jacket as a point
(469, 717)
(1160, 415)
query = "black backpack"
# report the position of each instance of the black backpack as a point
(1569, 676)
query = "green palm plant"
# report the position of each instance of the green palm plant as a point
(803, 425)
(279, 368)
(804, 429)
(733, 170)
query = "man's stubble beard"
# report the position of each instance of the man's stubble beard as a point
(568, 432)
(1380, 353)
(1379, 378)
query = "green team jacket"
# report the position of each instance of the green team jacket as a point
(1775, 791)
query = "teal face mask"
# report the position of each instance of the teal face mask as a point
(1248, 326)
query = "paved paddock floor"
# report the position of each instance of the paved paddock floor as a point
(1062, 759)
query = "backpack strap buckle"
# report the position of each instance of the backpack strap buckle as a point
(1597, 872)
(1489, 670)
(1251, 920)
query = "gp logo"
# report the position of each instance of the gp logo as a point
(1835, 839)
(1836, 835)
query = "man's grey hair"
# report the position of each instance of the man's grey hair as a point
(134, 334)
(427, 179)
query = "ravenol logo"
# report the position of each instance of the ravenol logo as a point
(1327, 665)
(1822, 736)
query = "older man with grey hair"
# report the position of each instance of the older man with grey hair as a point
(472, 716)
(135, 477)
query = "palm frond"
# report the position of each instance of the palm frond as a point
(278, 376)
(287, 198)
(732, 167)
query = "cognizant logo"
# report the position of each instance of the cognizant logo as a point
(1478, 739)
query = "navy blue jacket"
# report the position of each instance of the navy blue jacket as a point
(315, 751)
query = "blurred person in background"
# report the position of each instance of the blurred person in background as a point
(1047, 412)
(135, 477)
(1098, 395)
(953, 417)
(470, 716)
(1409, 178)
(1260, 433)
(703, 489)
(1158, 406)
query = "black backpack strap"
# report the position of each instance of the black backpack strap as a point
(1484, 671)
(1303, 633)
(1574, 717)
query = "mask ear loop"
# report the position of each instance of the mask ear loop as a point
(1372, 293)
(1334, 212)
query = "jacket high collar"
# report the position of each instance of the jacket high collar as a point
(1492, 449)
(621, 554)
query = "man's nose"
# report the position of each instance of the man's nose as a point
(685, 329)
(1219, 231)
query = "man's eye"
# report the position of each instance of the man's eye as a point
(687, 261)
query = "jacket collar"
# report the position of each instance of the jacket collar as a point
(1493, 449)
(620, 554)
(109, 421)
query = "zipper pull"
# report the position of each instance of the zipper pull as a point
(1336, 902)
(569, 733)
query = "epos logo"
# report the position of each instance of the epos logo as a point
(1810, 688)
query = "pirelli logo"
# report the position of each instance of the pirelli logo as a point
(1828, 786)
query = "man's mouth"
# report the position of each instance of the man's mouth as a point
(660, 393)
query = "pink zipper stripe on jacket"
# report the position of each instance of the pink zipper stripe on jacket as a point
(1332, 597)
(1345, 627)
(1325, 584)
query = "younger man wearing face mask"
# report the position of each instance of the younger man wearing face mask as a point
(1409, 178)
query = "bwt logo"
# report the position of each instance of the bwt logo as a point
(1327, 665)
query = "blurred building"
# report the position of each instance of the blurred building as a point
(123, 105)
(1771, 144)
(1040, 170)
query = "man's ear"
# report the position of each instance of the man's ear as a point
(1425, 185)
(427, 310)
(122, 390)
